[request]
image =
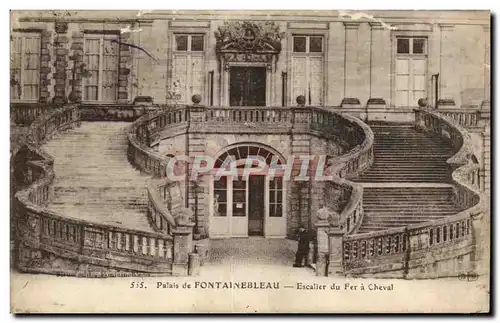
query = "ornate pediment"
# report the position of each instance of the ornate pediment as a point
(246, 40)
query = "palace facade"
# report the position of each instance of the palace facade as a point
(272, 84)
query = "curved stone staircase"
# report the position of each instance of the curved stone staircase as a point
(408, 182)
(94, 180)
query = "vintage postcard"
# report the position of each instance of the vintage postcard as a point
(250, 161)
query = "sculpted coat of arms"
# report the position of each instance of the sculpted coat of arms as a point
(248, 41)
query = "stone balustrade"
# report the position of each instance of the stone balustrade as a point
(417, 250)
(25, 113)
(84, 248)
(169, 122)
(463, 117)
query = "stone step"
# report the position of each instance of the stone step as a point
(94, 179)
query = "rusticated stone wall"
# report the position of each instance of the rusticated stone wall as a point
(46, 72)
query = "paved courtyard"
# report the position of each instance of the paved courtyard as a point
(254, 256)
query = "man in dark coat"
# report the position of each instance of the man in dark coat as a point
(303, 248)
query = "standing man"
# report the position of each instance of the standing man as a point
(303, 248)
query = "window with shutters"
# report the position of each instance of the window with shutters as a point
(25, 66)
(101, 58)
(411, 70)
(307, 69)
(188, 74)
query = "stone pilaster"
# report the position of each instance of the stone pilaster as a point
(61, 62)
(380, 66)
(46, 72)
(449, 82)
(124, 69)
(363, 68)
(335, 52)
(323, 247)
(335, 252)
(351, 59)
(76, 58)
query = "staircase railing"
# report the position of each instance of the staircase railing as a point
(358, 159)
(351, 133)
(463, 117)
(414, 250)
(26, 113)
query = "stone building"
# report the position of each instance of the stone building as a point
(374, 66)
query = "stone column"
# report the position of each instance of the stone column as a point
(449, 93)
(183, 246)
(76, 58)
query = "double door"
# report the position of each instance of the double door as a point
(247, 86)
(242, 208)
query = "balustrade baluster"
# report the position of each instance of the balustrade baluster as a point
(363, 249)
(168, 249)
(371, 247)
(145, 245)
(161, 248)
(152, 247)
(379, 246)
(388, 244)
(347, 251)
(134, 247)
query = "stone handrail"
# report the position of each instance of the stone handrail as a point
(354, 162)
(159, 124)
(38, 228)
(253, 119)
(462, 117)
(26, 113)
(401, 250)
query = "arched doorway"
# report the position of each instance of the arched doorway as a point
(247, 206)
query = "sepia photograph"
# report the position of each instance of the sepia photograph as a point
(250, 161)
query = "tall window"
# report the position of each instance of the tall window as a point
(276, 197)
(220, 197)
(411, 70)
(25, 66)
(188, 66)
(101, 62)
(307, 69)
